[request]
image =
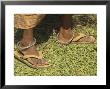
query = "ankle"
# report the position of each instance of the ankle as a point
(62, 29)
(25, 42)
(22, 45)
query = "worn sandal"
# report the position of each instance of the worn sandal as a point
(32, 61)
(82, 38)
(79, 38)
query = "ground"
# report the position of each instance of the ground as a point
(65, 60)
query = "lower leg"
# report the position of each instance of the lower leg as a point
(65, 33)
(66, 21)
(26, 40)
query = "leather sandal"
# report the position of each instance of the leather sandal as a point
(30, 60)
(82, 38)
(78, 38)
(37, 62)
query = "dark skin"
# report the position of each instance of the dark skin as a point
(65, 33)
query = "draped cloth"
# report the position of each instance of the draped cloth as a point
(27, 21)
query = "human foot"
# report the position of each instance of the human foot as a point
(31, 57)
(65, 36)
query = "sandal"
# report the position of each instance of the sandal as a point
(39, 63)
(32, 61)
(79, 38)
(82, 38)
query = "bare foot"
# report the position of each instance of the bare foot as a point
(65, 35)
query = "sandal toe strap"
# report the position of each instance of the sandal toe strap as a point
(80, 35)
(31, 56)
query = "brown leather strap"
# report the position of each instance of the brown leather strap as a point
(80, 35)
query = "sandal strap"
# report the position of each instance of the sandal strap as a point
(65, 42)
(81, 35)
(30, 56)
(26, 47)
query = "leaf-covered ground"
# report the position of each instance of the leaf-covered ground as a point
(65, 60)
